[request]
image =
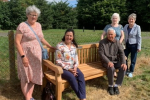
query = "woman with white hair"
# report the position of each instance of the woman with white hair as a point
(29, 53)
(133, 41)
(115, 18)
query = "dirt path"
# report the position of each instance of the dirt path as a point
(4, 34)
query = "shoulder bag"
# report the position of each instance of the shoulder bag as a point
(44, 51)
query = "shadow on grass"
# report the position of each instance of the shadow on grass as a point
(12, 91)
(99, 83)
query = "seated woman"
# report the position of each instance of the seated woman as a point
(66, 57)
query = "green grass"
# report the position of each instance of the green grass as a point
(140, 82)
(88, 36)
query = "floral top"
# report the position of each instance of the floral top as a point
(65, 57)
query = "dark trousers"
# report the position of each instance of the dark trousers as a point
(131, 48)
(110, 73)
(77, 83)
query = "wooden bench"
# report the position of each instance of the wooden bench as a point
(89, 64)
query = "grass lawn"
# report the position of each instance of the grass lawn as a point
(137, 87)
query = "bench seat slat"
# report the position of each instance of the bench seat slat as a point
(90, 69)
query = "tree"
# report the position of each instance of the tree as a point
(46, 17)
(141, 8)
(64, 16)
(4, 15)
(98, 12)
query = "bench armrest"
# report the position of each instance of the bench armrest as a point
(55, 68)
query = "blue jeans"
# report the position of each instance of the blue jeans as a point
(77, 83)
(131, 48)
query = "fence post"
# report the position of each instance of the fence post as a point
(12, 56)
(94, 28)
(83, 28)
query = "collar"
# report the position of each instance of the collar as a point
(72, 45)
(111, 41)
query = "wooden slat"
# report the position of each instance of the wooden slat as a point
(89, 45)
(95, 76)
(51, 76)
(97, 54)
(53, 57)
(93, 55)
(85, 56)
(79, 56)
(90, 55)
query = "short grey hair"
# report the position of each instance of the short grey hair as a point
(133, 15)
(116, 15)
(33, 8)
(111, 29)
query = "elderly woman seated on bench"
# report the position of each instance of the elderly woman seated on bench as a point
(112, 56)
(66, 57)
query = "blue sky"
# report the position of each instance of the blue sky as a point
(71, 2)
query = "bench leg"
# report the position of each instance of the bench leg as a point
(59, 91)
(44, 83)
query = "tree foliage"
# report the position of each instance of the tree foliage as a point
(98, 12)
(4, 15)
(46, 17)
(64, 16)
(53, 15)
(141, 8)
(88, 13)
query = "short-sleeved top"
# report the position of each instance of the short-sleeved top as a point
(32, 50)
(65, 57)
(117, 29)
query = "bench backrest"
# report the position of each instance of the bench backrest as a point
(86, 53)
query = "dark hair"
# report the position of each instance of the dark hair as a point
(71, 30)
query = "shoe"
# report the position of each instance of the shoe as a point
(116, 90)
(130, 75)
(111, 90)
(127, 73)
(32, 99)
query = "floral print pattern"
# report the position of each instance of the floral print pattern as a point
(32, 51)
(65, 57)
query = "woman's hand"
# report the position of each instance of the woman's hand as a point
(138, 50)
(52, 47)
(73, 71)
(25, 61)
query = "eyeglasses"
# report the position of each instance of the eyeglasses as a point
(33, 15)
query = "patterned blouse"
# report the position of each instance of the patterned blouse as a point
(65, 57)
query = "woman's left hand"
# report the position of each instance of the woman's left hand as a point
(75, 69)
(138, 50)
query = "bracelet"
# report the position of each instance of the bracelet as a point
(22, 56)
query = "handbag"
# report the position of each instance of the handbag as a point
(44, 51)
(48, 92)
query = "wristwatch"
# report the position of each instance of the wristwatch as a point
(22, 56)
